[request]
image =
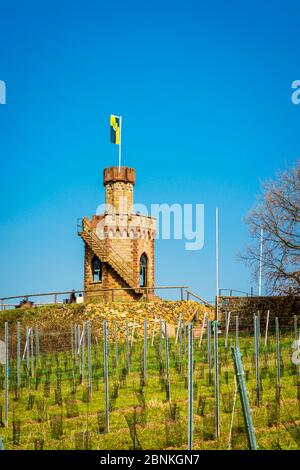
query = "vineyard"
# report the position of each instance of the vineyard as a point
(123, 381)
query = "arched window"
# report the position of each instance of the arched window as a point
(143, 270)
(96, 269)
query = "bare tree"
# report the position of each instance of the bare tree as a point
(277, 212)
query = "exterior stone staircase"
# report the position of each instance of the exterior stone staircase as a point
(115, 261)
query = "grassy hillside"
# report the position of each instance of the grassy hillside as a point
(53, 408)
(60, 401)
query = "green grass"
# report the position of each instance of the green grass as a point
(152, 435)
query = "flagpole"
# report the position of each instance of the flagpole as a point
(216, 333)
(120, 144)
(260, 261)
(217, 264)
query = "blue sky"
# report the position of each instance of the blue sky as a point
(204, 89)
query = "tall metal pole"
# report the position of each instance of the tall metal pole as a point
(37, 345)
(167, 363)
(217, 264)
(117, 347)
(180, 347)
(202, 330)
(127, 347)
(278, 355)
(89, 357)
(217, 390)
(237, 330)
(75, 341)
(178, 328)
(240, 377)
(160, 338)
(267, 327)
(256, 350)
(105, 332)
(19, 355)
(209, 350)
(260, 261)
(132, 332)
(227, 330)
(216, 334)
(153, 331)
(72, 340)
(79, 346)
(6, 375)
(83, 354)
(190, 386)
(27, 352)
(295, 327)
(32, 352)
(145, 349)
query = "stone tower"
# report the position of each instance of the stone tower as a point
(119, 244)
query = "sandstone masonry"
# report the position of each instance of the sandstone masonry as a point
(119, 244)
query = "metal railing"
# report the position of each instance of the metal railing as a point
(190, 294)
(4, 304)
(233, 292)
(185, 294)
